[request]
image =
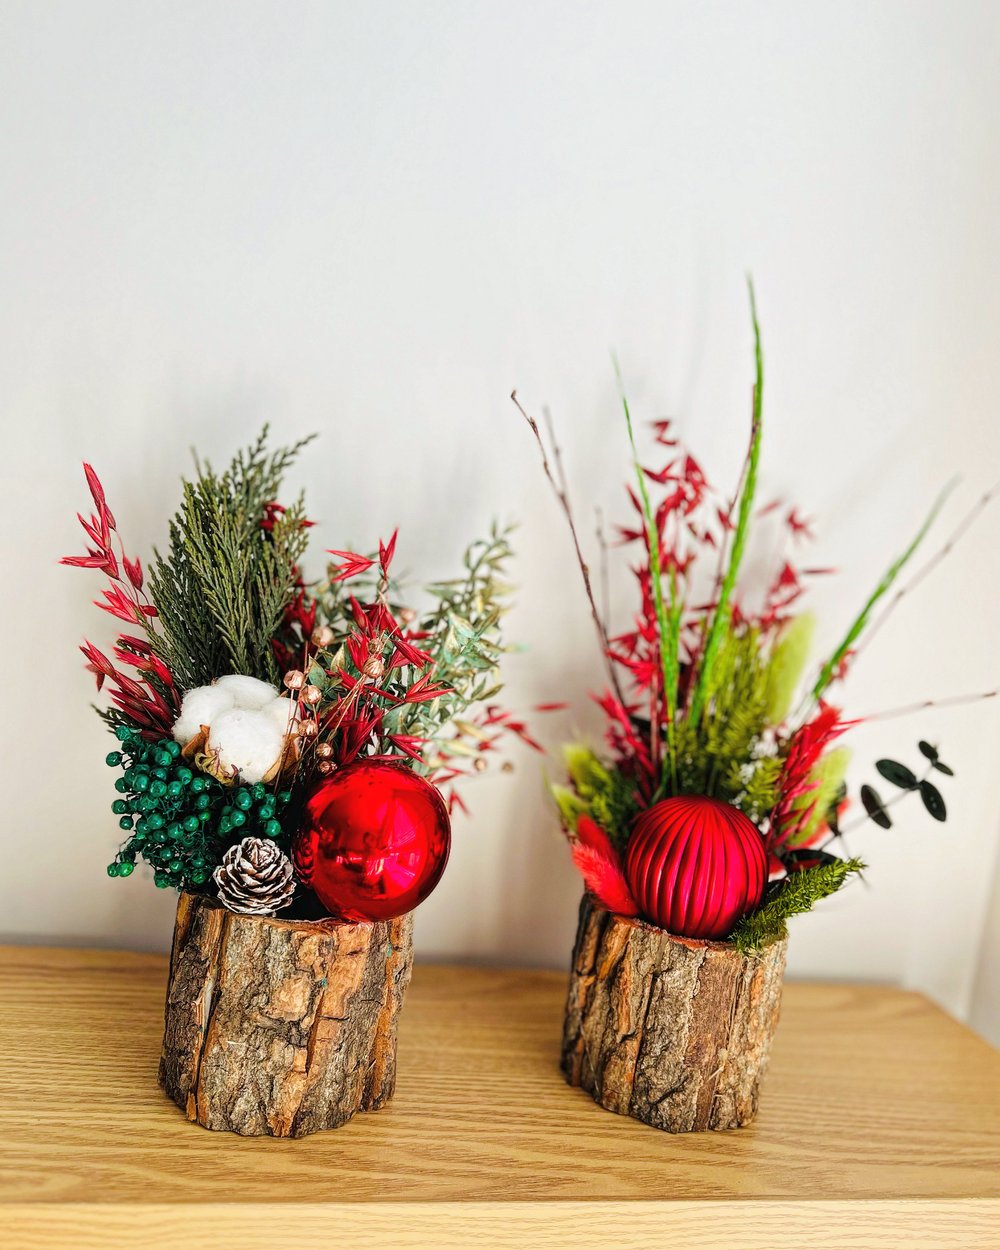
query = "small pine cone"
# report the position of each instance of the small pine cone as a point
(255, 878)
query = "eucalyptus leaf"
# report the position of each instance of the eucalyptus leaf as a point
(933, 801)
(875, 808)
(898, 774)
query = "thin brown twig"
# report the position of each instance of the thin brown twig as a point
(966, 522)
(602, 541)
(550, 430)
(562, 495)
(909, 708)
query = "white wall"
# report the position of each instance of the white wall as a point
(375, 220)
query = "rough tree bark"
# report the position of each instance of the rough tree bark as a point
(674, 1032)
(278, 1028)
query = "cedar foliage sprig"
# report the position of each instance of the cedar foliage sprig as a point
(224, 584)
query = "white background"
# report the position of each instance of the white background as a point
(376, 220)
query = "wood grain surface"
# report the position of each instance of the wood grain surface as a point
(879, 1126)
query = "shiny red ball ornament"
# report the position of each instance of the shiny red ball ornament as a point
(695, 866)
(374, 842)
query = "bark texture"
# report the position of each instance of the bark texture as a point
(674, 1032)
(278, 1028)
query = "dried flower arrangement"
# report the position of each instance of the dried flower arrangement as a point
(239, 689)
(282, 746)
(717, 811)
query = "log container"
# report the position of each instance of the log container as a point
(281, 1028)
(674, 1032)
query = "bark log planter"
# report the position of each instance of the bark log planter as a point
(674, 1032)
(280, 1028)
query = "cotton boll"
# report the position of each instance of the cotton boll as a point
(249, 741)
(200, 706)
(284, 712)
(247, 692)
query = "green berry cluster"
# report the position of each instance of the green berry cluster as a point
(180, 821)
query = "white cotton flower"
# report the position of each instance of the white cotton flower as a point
(203, 704)
(248, 741)
(284, 712)
(200, 706)
(247, 692)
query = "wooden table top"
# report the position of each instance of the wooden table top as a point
(879, 1123)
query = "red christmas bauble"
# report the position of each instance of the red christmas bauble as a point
(695, 866)
(374, 842)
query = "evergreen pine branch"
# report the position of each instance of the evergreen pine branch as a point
(723, 609)
(791, 896)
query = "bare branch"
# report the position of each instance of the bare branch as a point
(562, 495)
(602, 542)
(909, 708)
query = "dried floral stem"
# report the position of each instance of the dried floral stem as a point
(562, 496)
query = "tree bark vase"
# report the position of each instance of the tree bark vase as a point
(281, 1028)
(674, 1032)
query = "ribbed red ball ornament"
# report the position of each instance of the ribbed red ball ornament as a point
(695, 865)
(374, 842)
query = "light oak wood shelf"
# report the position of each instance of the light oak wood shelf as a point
(879, 1126)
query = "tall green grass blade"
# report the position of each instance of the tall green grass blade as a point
(829, 669)
(667, 617)
(723, 609)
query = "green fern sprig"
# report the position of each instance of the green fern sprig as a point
(798, 892)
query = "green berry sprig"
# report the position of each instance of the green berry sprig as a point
(179, 820)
